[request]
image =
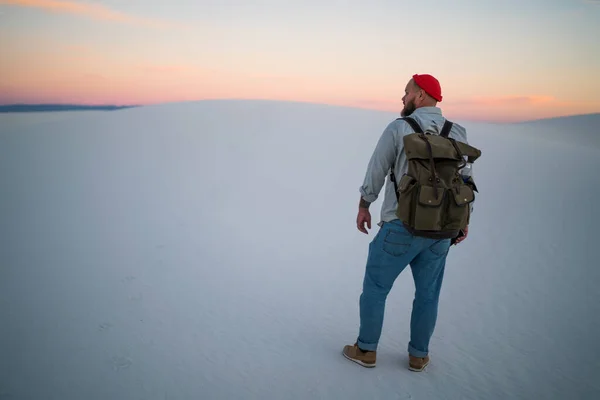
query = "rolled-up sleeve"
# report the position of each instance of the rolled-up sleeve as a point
(379, 165)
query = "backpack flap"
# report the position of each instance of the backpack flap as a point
(429, 210)
(471, 152)
(415, 146)
(405, 181)
(463, 195)
(430, 196)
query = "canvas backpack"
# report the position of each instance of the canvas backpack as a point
(433, 199)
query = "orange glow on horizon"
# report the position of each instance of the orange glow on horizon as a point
(39, 68)
(88, 80)
(79, 75)
(490, 110)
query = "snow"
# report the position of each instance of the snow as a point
(209, 250)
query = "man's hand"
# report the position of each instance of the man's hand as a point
(461, 238)
(364, 216)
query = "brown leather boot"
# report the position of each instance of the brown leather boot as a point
(417, 364)
(365, 358)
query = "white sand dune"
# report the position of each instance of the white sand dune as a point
(209, 251)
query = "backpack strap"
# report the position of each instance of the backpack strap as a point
(446, 129)
(444, 133)
(417, 128)
(413, 124)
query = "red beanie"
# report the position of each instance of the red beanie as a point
(430, 85)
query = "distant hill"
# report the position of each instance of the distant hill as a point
(577, 129)
(567, 121)
(12, 108)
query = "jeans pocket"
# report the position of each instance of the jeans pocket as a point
(396, 243)
(441, 247)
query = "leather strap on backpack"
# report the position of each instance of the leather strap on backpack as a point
(417, 128)
(446, 129)
(413, 124)
(444, 133)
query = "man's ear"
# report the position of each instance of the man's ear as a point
(418, 97)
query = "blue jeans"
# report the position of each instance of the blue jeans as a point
(392, 249)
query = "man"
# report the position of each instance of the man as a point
(393, 248)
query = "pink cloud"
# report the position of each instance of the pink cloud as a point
(170, 68)
(94, 11)
(492, 104)
(503, 101)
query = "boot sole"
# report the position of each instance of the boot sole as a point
(418, 369)
(358, 361)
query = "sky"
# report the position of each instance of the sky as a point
(496, 61)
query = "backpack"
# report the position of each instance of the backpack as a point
(433, 199)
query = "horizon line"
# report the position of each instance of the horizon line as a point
(117, 106)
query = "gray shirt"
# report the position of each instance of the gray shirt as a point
(390, 150)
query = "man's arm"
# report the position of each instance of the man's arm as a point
(381, 160)
(363, 203)
(379, 165)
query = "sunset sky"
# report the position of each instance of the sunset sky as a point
(496, 60)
